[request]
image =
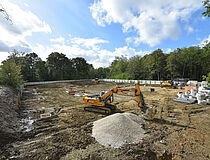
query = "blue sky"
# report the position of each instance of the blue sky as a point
(102, 29)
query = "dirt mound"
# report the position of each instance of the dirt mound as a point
(8, 114)
(118, 129)
(131, 103)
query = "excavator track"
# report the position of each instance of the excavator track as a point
(96, 109)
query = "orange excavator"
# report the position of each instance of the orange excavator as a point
(102, 102)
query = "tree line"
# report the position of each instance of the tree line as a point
(192, 62)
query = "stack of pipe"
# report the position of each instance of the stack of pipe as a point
(201, 95)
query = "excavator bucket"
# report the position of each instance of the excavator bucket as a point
(149, 113)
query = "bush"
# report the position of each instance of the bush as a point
(10, 74)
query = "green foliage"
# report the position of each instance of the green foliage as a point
(123, 76)
(173, 64)
(154, 65)
(191, 62)
(29, 67)
(206, 5)
(118, 66)
(32, 67)
(102, 72)
(59, 66)
(207, 78)
(81, 68)
(134, 68)
(158, 64)
(10, 74)
(205, 59)
(41, 71)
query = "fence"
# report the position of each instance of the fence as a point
(143, 82)
(51, 82)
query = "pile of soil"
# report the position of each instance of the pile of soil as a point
(119, 129)
(9, 116)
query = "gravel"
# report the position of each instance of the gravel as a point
(118, 129)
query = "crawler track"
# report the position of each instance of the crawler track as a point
(96, 109)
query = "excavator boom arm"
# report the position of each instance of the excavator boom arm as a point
(124, 89)
(103, 100)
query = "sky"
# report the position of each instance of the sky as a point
(100, 30)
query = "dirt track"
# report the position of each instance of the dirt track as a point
(179, 129)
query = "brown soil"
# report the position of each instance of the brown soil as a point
(9, 116)
(174, 130)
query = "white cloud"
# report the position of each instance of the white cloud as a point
(205, 41)
(3, 56)
(59, 40)
(152, 20)
(26, 4)
(129, 52)
(203, 18)
(168, 50)
(189, 29)
(24, 23)
(88, 43)
(42, 51)
(89, 49)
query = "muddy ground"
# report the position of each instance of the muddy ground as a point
(178, 130)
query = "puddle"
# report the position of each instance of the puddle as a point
(27, 124)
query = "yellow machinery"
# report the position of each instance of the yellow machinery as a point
(102, 103)
(168, 83)
(96, 80)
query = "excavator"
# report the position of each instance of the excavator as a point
(168, 83)
(96, 80)
(101, 103)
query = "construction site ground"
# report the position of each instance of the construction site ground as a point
(174, 129)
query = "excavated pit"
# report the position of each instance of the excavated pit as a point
(176, 130)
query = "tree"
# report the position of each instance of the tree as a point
(207, 78)
(29, 67)
(191, 60)
(159, 63)
(101, 72)
(154, 65)
(134, 67)
(206, 4)
(41, 71)
(91, 72)
(58, 65)
(32, 67)
(18, 57)
(5, 14)
(118, 68)
(173, 65)
(10, 74)
(81, 68)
